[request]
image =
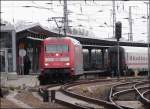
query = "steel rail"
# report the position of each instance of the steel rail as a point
(122, 92)
(112, 90)
(113, 94)
(146, 93)
(143, 99)
(46, 87)
(88, 99)
(64, 90)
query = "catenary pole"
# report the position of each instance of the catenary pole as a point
(114, 17)
(65, 18)
(130, 24)
(148, 36)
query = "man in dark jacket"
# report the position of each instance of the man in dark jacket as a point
(27, 65)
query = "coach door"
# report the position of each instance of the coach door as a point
(33, 51)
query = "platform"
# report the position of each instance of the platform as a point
(22, 80)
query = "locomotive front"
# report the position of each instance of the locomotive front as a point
(57, 59)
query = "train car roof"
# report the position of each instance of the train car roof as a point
(115, 49)
(76, 42)
(135, 49)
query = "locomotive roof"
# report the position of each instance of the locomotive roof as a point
(76, 42)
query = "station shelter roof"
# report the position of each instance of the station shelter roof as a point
(38, 31)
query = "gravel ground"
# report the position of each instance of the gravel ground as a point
(28, 98)
(7, 104)
(98, 90)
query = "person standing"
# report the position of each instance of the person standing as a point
(27, 65)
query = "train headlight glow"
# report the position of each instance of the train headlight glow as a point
(67, 63)
(46, 64)
(57, 54)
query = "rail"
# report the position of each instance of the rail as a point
(133, 87)
(146, 93)
(88, 99)
(143, 99)
(64, 89)
(112, 90)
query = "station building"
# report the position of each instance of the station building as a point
(28, 38)
(7, 47)
(16, 42)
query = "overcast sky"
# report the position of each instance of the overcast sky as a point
(95, 16)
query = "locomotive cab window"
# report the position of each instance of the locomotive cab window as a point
(56, 48)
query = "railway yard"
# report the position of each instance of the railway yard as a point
(102, 93)
(65, 54)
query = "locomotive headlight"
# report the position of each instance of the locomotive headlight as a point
(46, 64)
(67, 63)
(57, 54)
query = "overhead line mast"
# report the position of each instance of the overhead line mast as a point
(148, 36)
(65, 18)
(114, 17)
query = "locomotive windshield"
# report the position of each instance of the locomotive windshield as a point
(56, 48)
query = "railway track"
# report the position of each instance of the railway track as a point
(141, 88)
(146, 94)
(87, 102)
(129, 95)
(74, 100)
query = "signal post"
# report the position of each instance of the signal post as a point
(118, 31)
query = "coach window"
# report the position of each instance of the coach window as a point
(144, 58)
(127, 56)
(56, 48)
(131, 58)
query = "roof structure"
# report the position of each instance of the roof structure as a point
(38, 31)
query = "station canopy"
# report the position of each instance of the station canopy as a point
(34, 31)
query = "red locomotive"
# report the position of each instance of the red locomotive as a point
(60, 59)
